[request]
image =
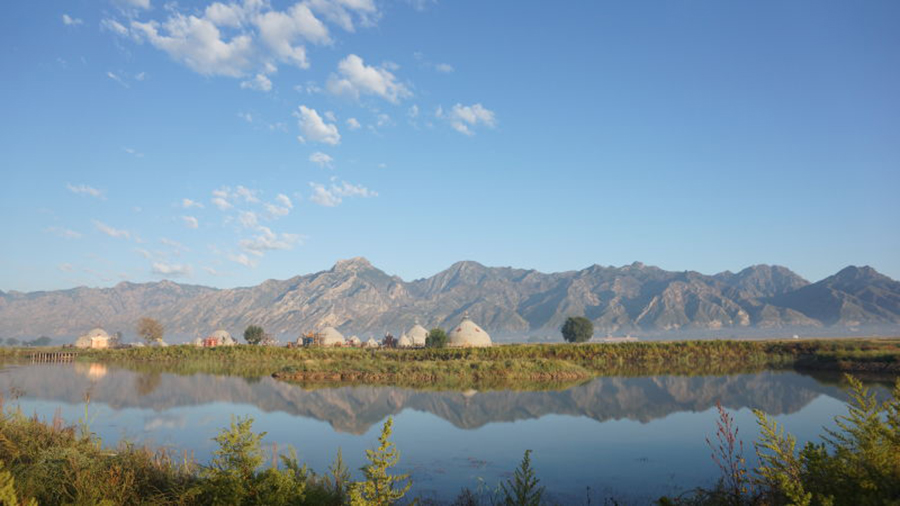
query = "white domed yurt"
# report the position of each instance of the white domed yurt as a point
(223, 338)
(371, 343)
(417, 335)
(331, 337)
(404, 342)
(468, 335)
(354, 341)
(197, 342)
(96, 338)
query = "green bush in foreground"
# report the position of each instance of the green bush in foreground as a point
(436, 338)
(858, 463)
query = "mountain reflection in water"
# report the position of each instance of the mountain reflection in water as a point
(631, 438)
(355, 409)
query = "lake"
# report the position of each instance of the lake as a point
(632, 438)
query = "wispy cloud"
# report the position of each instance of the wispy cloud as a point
(172, 270)
(243, 259)
(188, 203)
(70, 21)
(267, 240)
(83, 189)
(335, 193)
(117, 78)
(110, 231)
(465, 117)
(133, 152)
(322, 160)
(190, 221)
(174, 244)
(65, 233)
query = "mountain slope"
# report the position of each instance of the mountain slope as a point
(358, 298)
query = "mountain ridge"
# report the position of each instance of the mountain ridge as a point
(357, 297)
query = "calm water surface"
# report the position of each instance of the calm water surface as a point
(627, 437)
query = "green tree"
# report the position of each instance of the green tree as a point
(254, 334)
(150, 330)
(338, 479)
(523, 489)
(380, 487)
(577, 329)
(436, 338)
(232, 470)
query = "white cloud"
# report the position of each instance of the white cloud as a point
(133, 152)
(246, 116)
(65, 233)
(280, 30)
(322, 160)
(142, 4)
(110, 231)
(353, 124)
(355, 78)
(247, 219)
(341, 12)
(114, 26)
(249, 195)
(210, 270)
(413, 111)
(173, 270)
(284, 200)
(174, 244)
(220, 199)
(462, 118)
(243, 259)
(70, 21)
(83, 189)
(258, 83)
(383, 120)
(314, 128)
(190, 221)
(444, 68)
(140, 76)
(267, 240)
(116, 78)
(241, 39)
(188, 203)
(282, 207)
(335, 194)
(66, 267)
(198, 44)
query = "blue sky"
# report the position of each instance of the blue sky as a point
(228, 143)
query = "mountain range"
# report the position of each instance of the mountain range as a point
(358, 298)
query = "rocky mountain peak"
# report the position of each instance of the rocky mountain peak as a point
(354, 264)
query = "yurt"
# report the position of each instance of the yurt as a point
(354, 341)
(96, 338)
(371, 343)
(197, 342)
(223, 338)
(331, 337)
(404, 342)
(417, 335)
(468, 335)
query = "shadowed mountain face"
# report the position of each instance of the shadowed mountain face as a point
(356, 409)
(358, 298)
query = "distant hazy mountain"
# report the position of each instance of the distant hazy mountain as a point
(358, 298)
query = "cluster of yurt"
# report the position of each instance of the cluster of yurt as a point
(413, 338)
(218, 338)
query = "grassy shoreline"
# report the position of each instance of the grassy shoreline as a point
(504, 365)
